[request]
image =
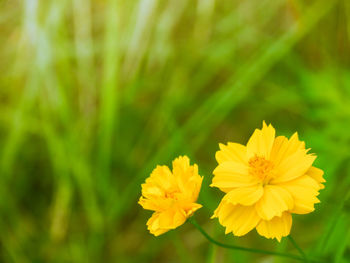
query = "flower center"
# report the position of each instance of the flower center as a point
(261, 168)
(171, 195)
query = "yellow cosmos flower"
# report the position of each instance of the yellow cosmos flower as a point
(172, 195)
(265, 182)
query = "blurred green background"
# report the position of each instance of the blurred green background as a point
(94, 94)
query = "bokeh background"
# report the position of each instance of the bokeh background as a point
(95, 93)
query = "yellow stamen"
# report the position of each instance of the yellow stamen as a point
(261, 168)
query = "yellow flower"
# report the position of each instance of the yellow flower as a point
(265, 182)
(172, 195)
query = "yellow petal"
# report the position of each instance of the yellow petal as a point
(153, 225)
(231, 152)
(171, 219)
(229, 175)
(277, 227)
(190, 208)
(317, 175)
(180, 165)
(179, 218)
(151, 190)
(278, 149)
(161, 222)
(261, 142)
(148, 204)
(155, 204)
(182, 170)
(193, 184)
(282, 148)
(274, 201)
(245, 195)
(237, 219)
(293, 166)
(304, 190)
(161, 180)
(218, 209)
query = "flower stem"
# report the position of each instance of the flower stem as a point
(302, 253)
(253, 250)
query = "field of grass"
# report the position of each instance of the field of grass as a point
(95, 93)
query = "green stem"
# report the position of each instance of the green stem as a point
(253, 250)
(302, 253)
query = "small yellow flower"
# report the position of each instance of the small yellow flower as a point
(172, 195)
(265, 182)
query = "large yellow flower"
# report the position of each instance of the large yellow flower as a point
(265, 182)
(171, 195)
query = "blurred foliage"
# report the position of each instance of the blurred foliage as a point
(94, 94)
